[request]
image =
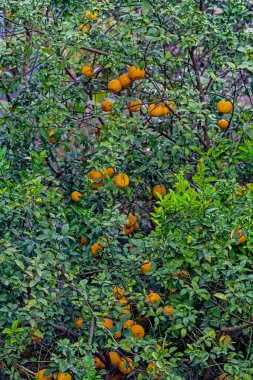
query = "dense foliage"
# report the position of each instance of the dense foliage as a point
(177, 263)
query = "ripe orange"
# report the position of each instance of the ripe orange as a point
(224, 106)
(90, 16)
(118, 292)
(98, 363)
(117, 335)
(223, 124)
(131, 220)
(108, 323)
(39, 375)
(225, 339)
(168, 310)
(106, 106)
(95, 248)
(87, 71)
(137, 331)
(125, 80)
(84, 240)
(133, 248)
(239, 235)
(135, 227)
(114, 358)
(135, 73)
(109, 171)
(128, 324)
(127, 230)
(79, 322)
(64, 376)
(114, 85)
(76, 196)
(153, 297)
(159, 189)
(135, 105)
(225, 376)
(156, 110)
(52, 140)
(83, 27)
(124, 301)
(94, 176)
(121, 180)
(150, 370)
(146, 267)
(126, 366)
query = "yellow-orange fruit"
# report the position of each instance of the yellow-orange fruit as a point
(126, 366)
(125, 80)
(124, 301)
(106, 106)
(83, 27)
(121, 180)
(39, 375)
(223, 124)
(239, 235)
(155, 110)
(98, 363)
(84, 240)
(90, 16)
(224, 106)
(135, 227)
(150, 370)
(135, 73)
(128, 324)
(95, 248)
(153, 297)
(52, 140)
(87, 71)
(225, 339)
(117, 335)
(108, 323)
(64, 376)
(114, 85)
(160, 189)
(118, 292)
(114, 358)
(76, 196)
(137, 331)
(131, 220)
(225, 376)
(133, 248)
(79, 322)
(146, 267)
(109, 171)
(168, 310)
(95, 175)
(135, 105)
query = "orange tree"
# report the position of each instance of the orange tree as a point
(125, 192)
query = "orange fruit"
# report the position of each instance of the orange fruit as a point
(225, 376)
(223, 124)
(126, 366)
(137, 331)
(64, 376)
(135, 73)
(135, 105)
(83, 27)
(224, 106)
(125, 80)
(124, 301)
(106, 106)
(225, 339)
(108, 323)
(150, 370)
(239, 235)
(94, 176)
(133, 248)
(146, 267)
(109, 171)
(121, 180)
(168, 311)
(84, 240)
(52, 140)
(114, 358)
(153, 297)
(156, 110)
(131, 220)
(114, 85)
(117, 335)
(79, 322)
(128, 324)
(76, 196)
(98, 363)
(135, 227)
(39, 375)
(90, 16)
(118, 292)
(159, 189)
(95, 248)
(127, 230)
(37, 335)
(87, 71)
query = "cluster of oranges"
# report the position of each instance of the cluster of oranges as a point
(90, 17)
(131, 225)
(224, 107)
(61, 376)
